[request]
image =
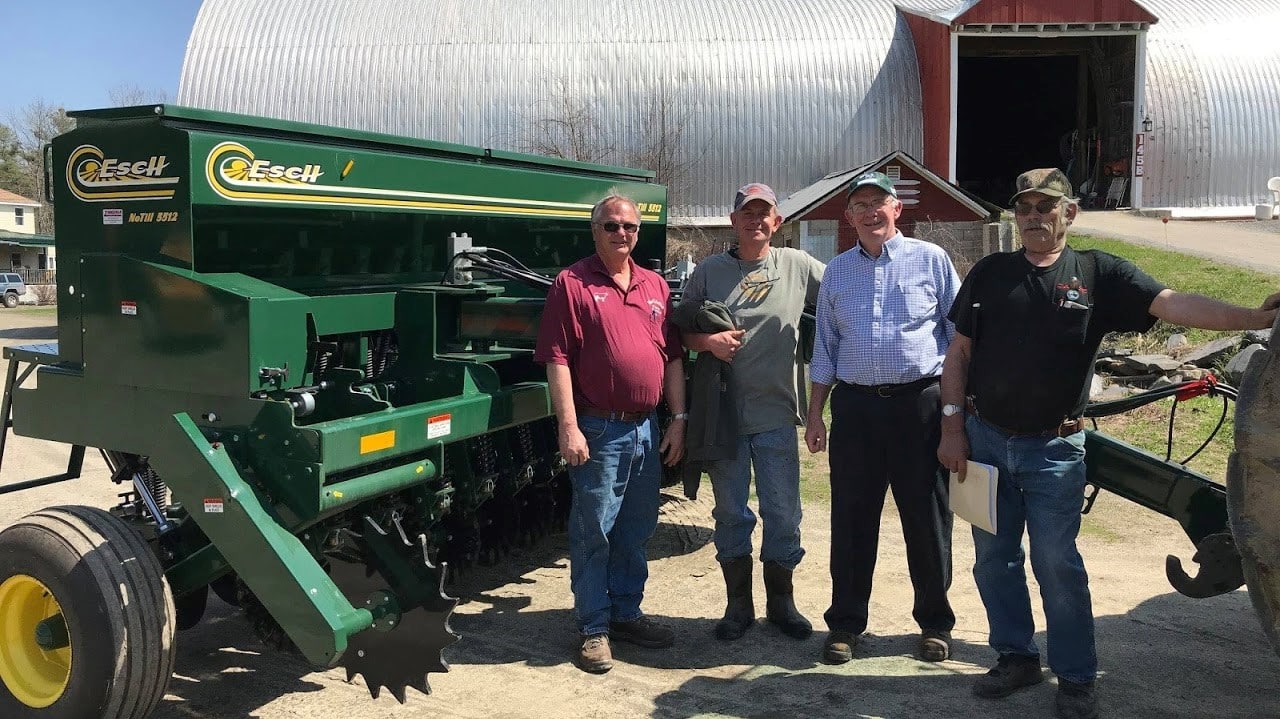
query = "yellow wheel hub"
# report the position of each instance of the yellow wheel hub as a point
(35, 663)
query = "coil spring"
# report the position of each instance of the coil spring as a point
(156, 486)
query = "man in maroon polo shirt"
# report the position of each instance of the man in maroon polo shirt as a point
(609, 354)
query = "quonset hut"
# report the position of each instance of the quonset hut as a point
(1165, 103)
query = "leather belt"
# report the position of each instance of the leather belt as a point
(1066, 428)
(892, 390)
(613, 415)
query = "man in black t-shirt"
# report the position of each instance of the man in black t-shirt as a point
(1014, 385)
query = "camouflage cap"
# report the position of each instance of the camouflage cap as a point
(875, 179)
(1048, 181)
(754, 191)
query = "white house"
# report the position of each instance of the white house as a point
(21, 247)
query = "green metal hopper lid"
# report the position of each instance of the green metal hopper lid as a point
(212, 119)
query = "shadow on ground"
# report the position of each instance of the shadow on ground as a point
(1169, 657)
(30, 333)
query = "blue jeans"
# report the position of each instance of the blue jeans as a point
(1041, 488)
(614, 513)
(776, 458)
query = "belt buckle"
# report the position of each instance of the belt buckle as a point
(883, 391)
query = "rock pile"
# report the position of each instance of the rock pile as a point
(1119, 372)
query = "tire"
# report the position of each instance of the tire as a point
(118, 610)
(10, 300)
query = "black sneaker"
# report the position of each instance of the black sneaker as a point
(1075, 700)
(1011, 673)
(643, 632)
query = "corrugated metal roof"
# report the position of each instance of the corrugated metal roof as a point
(1213, 96)
(943, 11)
(781, 93)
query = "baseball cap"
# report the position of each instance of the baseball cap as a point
(1049, 181)
(875, 179)
(754, 191)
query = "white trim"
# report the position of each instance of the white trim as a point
(967, 31)
(944, 186)
(1139, 112)
(1053, 29)
(6, 203)
(955, 114)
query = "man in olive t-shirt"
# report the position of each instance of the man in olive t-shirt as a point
(765, 289)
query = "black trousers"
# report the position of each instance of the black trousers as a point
(878, 443)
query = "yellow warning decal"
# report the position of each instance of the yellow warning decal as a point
(377, 442)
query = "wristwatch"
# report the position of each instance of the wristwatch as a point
(681, 415)
(950, 409)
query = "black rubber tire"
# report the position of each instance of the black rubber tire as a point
(118, 608)
(191, 608)
(10, 300)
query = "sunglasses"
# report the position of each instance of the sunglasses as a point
(628, 227)
(1042, 207)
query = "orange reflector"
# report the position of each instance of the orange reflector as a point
(376, 442)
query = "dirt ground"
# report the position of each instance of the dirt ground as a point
(1161, 654)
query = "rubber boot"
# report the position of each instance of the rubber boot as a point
(780, 608)
(740, 612)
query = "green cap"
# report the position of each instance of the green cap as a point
(875, 179)
(1048, 181)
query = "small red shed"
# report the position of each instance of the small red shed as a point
(925, 195)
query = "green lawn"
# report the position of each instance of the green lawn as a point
(1147, 427)
(35, 310)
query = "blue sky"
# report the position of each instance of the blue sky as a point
(72, 52)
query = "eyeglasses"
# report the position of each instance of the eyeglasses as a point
(628, 227)
(1042, 207)
(858, 208)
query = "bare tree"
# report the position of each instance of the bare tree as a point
(31, 128)
(568, 128)
(661, 144)
(129, 95)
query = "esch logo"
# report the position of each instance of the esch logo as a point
(234, 171)
(94, 177)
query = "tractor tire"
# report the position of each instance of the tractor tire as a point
(10, 300)
(1253, 485)
(112, 655)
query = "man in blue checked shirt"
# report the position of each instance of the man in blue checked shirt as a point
(882, 335)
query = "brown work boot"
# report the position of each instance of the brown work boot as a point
(838, 648)
(1075, 700)
(643, 632)
(594, 655)
(1011, 673)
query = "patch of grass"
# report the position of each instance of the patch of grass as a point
(815, 472)
(35, 309)
(1091, 526)
(1184, 273)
